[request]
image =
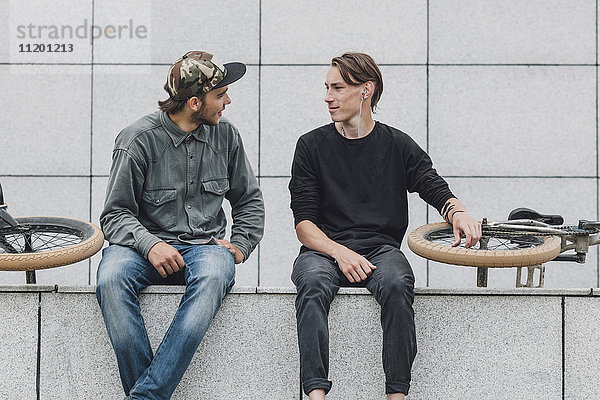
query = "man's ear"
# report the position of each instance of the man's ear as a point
(370, 87)
(194, 103)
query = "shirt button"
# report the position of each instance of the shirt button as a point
(191, 182)
(189, 206)
(157, 201)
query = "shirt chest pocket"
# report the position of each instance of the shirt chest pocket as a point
(160, 206)
(213, 192)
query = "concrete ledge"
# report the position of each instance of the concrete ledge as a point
(473, 343)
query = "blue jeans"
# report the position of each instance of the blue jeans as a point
(318, 278)
(208, 276)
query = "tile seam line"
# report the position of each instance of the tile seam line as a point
(288, 176)
(597, 157)
(91, 194)
(326, 65)
(428, 262)
(259, 177)
(563, 355)
(39, 348)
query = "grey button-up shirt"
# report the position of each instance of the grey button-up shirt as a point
(167, 184)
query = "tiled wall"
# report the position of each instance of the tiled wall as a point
(502, 93)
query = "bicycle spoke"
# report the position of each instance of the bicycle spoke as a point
(37, 239)
(4, 244)
(495, 242)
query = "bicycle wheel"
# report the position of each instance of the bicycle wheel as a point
(47, 242)
(434, 241)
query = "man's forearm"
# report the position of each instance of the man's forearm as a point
(314, 238)
(120, 227)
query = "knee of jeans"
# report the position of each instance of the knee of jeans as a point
(219, 274)
(111, 281)
(401, 287)
(314, 283)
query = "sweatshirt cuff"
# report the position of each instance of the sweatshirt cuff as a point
(145, 243)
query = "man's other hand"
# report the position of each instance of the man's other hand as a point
(237, 253)
(165, 258)
(355, 267)
(463, 224)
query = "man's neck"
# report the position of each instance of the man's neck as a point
(352, 129)
(183, 121)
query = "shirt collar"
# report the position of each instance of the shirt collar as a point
(177, 134)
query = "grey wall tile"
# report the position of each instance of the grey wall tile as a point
(98, 194)
(18, 347)
(265, 362)
(7, 32)
(126, 34)
(455, 332)
(355, 362)
(478, 356)
(403, 103)
(289, 108)
(123, 94)
(230, 33)
(495, 198)
(246, 274)
(243, 112)
(514, 121)
(55, 139)
(54, 196)
(284, 118)
(279, 248)
(39, 22)
(66, 360)
(417, 216)
(582, 340)
(513, 31)
(332, 28)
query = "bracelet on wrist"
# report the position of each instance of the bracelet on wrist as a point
(455, 212)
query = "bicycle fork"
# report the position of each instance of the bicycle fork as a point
(6, 218)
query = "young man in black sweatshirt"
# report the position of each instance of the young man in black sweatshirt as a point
(349, 187)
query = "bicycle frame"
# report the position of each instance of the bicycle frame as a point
(6, 218)
(587, 234)
(4, 215)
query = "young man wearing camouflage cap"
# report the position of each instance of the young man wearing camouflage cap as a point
(163, 219)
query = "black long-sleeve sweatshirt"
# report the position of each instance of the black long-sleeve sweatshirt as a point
(355, 190)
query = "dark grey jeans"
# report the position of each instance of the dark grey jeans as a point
(318, 279)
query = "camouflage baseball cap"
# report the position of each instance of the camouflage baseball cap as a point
(197, 72)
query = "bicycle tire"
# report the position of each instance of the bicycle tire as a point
(56, 241)
(538, 250)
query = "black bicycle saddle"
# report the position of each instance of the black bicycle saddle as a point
(528, 213)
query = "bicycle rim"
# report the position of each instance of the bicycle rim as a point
(434, 242)
(47, 242)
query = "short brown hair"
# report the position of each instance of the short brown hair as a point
(357, 68)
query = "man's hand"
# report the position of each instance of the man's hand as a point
(354, 266)
(165, 258)
(463, 224)
(238, 256)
